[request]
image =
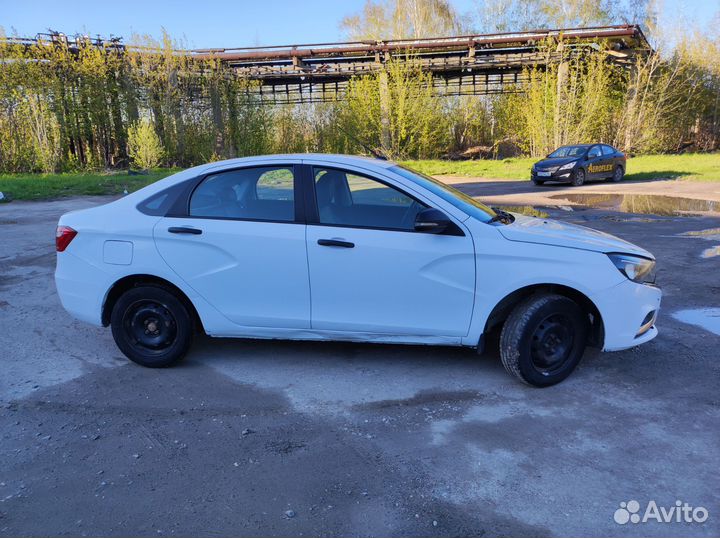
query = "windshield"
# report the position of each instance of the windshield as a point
(462, 201)
(569, 151)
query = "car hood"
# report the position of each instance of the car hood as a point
(552, 232)
(559, 161)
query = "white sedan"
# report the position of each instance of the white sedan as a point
(331, 247)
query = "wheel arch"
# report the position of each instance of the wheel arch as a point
(131, 281)
(502, 309)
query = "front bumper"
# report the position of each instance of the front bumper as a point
(628, 311)
(564, 175)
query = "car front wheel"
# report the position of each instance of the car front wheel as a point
(578, 177)
(151, 326)
(543, 339)
(538, 182)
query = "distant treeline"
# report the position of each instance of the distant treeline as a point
(62, 110)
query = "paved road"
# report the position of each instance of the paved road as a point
(353, 439)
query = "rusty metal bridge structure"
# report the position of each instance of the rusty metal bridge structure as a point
(460, 65)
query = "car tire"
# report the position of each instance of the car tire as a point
(543, 339)
(618, 174)
(578, 177)
(538, 182)
(152, 326)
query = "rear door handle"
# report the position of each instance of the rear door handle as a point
(184, 230)
(335, 243)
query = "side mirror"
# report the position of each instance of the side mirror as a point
(433, 221)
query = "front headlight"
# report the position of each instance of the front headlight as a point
(636, 268)
(567, 166)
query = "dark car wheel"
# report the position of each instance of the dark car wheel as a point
(543, 339)
(618, 174)
(538, 181)
(151, 326)
(578, 177)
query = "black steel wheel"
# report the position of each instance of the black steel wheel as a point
(543, 339)
(551, 343)
(578, 177)
(618, 174)
(151, 326)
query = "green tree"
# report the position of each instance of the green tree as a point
(144, 145)
(517, 15)
(402, 19)
(395, 112)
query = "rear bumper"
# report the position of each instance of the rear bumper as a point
(81, 287)
(629, 311)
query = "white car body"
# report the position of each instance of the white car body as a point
(272, 280)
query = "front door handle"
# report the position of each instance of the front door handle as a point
(184, 230)
(335, 243)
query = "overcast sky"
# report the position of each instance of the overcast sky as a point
(226, 23)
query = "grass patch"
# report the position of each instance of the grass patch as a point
(691, 166)
(45, 186)
(500, 169)
(526, 210)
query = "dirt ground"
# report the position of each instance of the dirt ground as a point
(283, 438)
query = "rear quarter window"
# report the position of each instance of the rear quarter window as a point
(160, 203)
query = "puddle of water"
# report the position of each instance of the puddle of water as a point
(613, 218)
(645, 204)
(706, 318)
(710, 233)
(711, 252)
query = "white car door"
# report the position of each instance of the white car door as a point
(240, 248)
(371, 272)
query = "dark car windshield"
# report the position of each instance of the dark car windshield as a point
(462, 201)
(569, 151)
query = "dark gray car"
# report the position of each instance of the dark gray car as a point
(580, 163)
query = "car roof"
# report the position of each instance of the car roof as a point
(584, 145)
(332, 158)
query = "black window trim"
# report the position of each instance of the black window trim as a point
(181, 207)
(313, 215)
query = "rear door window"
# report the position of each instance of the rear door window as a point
(260, 193)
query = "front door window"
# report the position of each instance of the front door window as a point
(348, 199)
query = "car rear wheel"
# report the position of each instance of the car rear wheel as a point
(543, 339)
(578, 177)
(151, 326)
(618, 174)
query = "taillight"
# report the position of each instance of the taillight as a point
(63, 236)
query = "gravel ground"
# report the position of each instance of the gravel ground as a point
(283, 438)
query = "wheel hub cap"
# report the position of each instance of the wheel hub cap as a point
(150, 326)
(552, 343)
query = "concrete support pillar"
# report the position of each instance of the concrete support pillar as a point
(385, 138)
(562, 76)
